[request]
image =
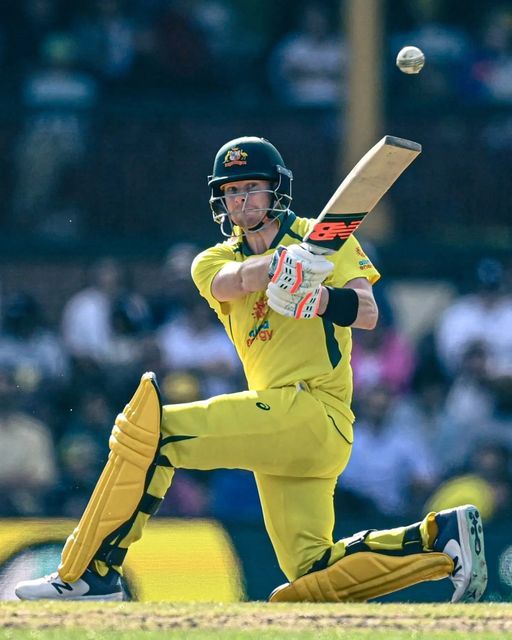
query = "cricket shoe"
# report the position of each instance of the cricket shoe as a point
(461, 537)
(91, 586)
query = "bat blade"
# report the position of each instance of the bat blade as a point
(359, 192)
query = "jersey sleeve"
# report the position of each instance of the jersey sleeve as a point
(205, 267)
(351, 262)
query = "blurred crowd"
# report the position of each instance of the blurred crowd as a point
(101, 98)
(72, 54)
(434, 415)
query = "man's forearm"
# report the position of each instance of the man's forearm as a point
(361, 315)
(237, 279)
(254, 274)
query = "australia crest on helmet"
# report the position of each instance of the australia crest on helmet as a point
(235, 156)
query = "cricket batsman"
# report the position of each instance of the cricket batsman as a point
(289, 314)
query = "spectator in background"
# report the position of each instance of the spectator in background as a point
(384, 356)
(196, 342)
(443, 436)
(499, 426)
(176, 288)
(471, 399)
(491, 461)
(107, 41)
(57, 97)
(130, 321)
(217, 21)
(179, 49)
(485, 315)
(307, 67)
(77, 463)
(82, 451)
(448, 50)
(151, 358)
(237, 36)
(485, 481)
(391, 467)
(87, 316)
(193, 493)
(27, 469)
(492, 69)
(27, 346)
(28, 25)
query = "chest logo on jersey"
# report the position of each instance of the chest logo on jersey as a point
(262, 330)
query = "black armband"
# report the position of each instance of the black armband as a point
(342, 307)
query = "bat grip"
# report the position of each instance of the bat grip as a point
(318, 251)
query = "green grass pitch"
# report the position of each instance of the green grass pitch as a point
(255, 620)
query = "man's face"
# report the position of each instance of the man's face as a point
(247, 201)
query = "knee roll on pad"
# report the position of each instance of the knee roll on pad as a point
(133, 446)
(363, 576)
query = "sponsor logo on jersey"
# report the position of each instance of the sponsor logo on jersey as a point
(262, 330)
(235, 156)
(260, 308)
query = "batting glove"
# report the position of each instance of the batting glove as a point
(294, 305)
(297, 270)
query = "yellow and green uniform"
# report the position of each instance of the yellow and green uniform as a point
(292, 428)
(277, 351)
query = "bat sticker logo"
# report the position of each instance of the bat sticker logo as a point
(332, 230)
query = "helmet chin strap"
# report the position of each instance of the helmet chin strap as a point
(261, 224)
(265, 221)
(270, 214)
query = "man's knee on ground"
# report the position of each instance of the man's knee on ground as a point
(364, 576)
(313, 559)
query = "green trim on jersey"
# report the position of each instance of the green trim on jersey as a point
(288, 220)
(333, 348)
(277, 351)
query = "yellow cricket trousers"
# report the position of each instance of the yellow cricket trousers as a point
(295, 444)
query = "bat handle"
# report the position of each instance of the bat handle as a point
(318, 251)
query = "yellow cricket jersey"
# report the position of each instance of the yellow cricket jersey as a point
(276, 350)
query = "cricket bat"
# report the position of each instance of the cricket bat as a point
(359, 192)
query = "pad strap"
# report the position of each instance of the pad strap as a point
(113, 556)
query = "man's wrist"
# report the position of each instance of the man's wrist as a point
(342, 306)
(324, 300)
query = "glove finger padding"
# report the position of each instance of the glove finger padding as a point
(297, 270)
(280, 301)
(299, 306)
(316, 263)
